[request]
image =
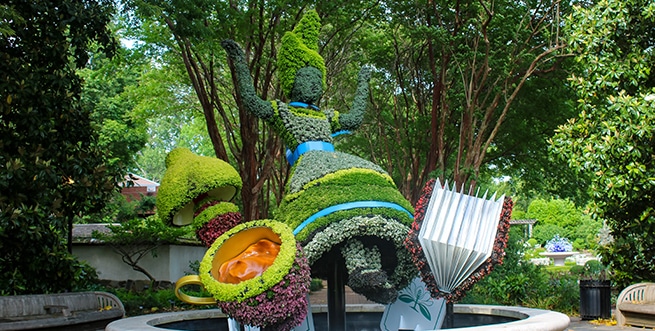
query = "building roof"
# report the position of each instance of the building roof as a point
(138, 181)
(135, 187)
(83, 233)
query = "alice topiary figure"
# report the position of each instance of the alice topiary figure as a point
(340, 206)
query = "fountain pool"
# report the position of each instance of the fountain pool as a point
(365, 317)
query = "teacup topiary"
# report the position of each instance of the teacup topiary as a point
(196, 191)
(275, 299)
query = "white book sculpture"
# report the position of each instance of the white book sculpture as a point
(458, 233)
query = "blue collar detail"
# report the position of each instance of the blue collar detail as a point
(299, 104)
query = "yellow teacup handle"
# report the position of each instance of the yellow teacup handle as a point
(191, 280)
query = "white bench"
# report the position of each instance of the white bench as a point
(38, 311)
(636, 305)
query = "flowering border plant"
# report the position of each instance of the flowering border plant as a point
(209, 211)
(216, 226)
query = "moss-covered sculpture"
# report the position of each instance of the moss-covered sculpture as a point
(277, 299)
(299, 50)
(338, 204)
(196, 191)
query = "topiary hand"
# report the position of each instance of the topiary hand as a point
(246, 89)
(233, 50)
(364, 75)
(353, 119)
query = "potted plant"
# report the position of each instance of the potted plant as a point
(558, 249)
(595, 290)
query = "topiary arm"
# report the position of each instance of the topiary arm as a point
(353, 119)
(253, 103)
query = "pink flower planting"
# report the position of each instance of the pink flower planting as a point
(217, 226)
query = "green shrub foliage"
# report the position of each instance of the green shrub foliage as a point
(612, 139)
(137, 238)
(562, 217)
(51, 169)
(518, 282)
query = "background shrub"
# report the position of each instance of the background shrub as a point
(518, 282)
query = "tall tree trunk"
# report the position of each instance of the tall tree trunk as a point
(249, 174)
(197, 76)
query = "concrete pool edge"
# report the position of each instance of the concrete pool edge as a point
(531, 319)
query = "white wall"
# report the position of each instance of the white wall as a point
(171, 263)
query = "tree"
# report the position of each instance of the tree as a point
(481, 81)
(612, 139)
(562, 217)
(450, 75)
(191, 32)
(164, 100)
(52, 168)
(105, 95)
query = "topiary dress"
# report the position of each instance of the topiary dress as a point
(335, 199)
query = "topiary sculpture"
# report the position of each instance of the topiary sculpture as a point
(338, 204)
(256, 271)
(196, 191)
(275, 299)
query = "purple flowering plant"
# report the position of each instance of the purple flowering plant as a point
(559, 244)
